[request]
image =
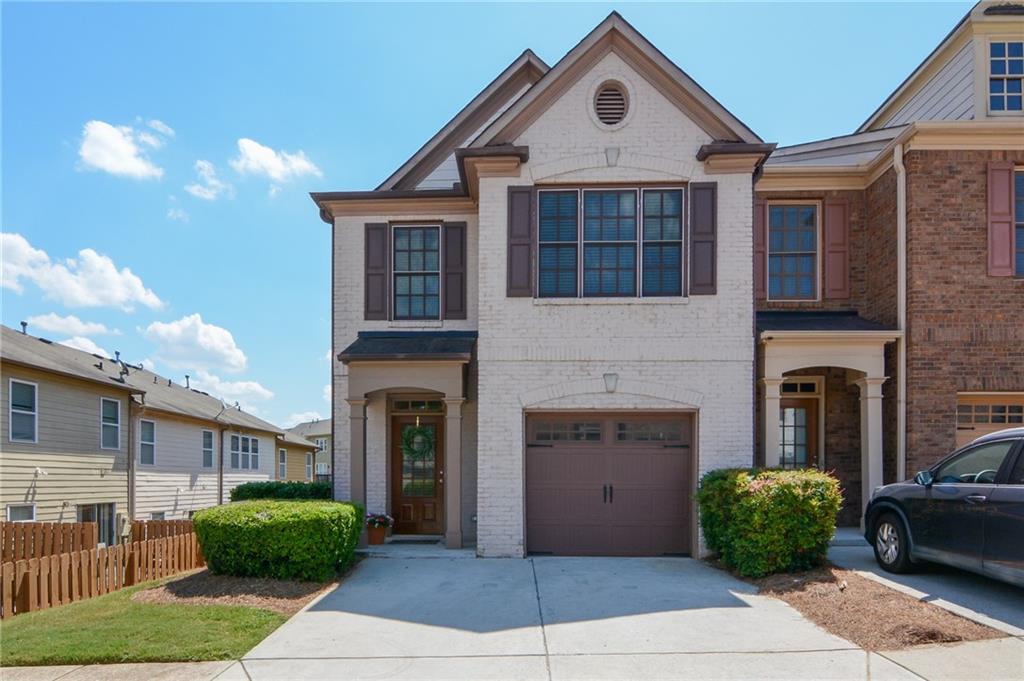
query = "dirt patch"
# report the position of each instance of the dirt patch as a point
(870, 614)
(204, 588)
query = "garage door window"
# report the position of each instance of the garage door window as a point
(990, 413)
(648, 431)
(567, 431)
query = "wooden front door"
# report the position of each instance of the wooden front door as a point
(798, 436)
(417, 474)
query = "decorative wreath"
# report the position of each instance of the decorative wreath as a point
(418, 442)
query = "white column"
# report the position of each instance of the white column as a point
(357, 456)
(453, 472)
(770, 414)
(870, 436)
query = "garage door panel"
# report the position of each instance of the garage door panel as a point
(648, 511)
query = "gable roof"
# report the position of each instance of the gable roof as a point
(290, 437)
(312, 428)
(845, 150)
(526, 70)
(618, 35)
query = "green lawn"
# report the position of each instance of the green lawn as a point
(113, 628)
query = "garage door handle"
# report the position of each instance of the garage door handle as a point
(605, 488)
(533, 445)
(676, 446)
(611, 494)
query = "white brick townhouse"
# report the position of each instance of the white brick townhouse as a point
(543, 321)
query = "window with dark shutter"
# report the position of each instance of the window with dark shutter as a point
(837, 248)
(376, 271)
(520, 242)
(760, 251)
(703, 238)
(454, 285)
(1000, 219)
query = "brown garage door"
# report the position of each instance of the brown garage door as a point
(978, 415)
(608, 484)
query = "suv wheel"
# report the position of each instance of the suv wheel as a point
(892, 550)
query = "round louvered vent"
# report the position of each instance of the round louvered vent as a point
(611, 104)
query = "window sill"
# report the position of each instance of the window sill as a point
(416, 324)
(667, 300)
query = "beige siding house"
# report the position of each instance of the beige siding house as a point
(295, 458)
(95, 439)
(318, 432)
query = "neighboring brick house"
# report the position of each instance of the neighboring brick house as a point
(915, 247)
(543, 320)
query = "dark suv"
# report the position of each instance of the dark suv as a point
(966, 511)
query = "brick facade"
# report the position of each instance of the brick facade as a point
(965, 329)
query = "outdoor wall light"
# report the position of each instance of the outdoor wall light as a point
(611, 381)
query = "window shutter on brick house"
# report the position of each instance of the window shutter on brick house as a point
(1000, 219)
(454, 288)
(376, 271)
(760, 251)
(520, 242)
(837, 248)
(703, 238)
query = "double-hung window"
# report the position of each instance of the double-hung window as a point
(147, 443)
(110, 423)
(417, 272)
(1006, 76)
(207, 449)
(24, 411)
(309, 466)
(792, 251)
(630, 244)
(282, 464)
(245, 452)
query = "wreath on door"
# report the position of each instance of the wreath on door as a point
(418, 442)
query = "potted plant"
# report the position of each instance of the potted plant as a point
(377, 525)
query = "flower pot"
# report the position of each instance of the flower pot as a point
(375, 535)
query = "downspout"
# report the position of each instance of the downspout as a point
(901, 311)
(131, 459)
(220, 468)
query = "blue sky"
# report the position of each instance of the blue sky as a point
(157, 158)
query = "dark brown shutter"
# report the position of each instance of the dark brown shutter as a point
(454, 289)
(837, 248)
(520, 242)
(1000, 219)
(703, 235)
(760, 250)
(376, 274)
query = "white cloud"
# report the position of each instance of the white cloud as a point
(209, 187)
(115, 149)
(327, 393)
(149, 140)
(242, 392)
(85, 345)
(300, 417)
(254, 158)
(70, 325)
(175, 214)
(91, 280)
(161, 127)
(191, 343)
(148, 364)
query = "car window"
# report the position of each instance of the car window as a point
(1017, 475)
(977, 465)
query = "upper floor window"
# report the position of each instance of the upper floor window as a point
(630, 243)
(24, 412)
(147, 443)
(207, 449)
(110, 423)
(1006, 76)
(282, 464)
(417, 272)
(1018, 222)
(792, 251)
(309, 466)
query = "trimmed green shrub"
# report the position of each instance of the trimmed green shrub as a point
(282, 539)
(765, 521)
(273, 489)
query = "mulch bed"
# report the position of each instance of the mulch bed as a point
(867, 613)
(204, 588)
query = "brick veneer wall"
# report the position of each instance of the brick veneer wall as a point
(965, 328)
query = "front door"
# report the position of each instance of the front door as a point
(798, 433)
(417, 474)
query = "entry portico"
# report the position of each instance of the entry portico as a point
(410, 376)
(846, 347)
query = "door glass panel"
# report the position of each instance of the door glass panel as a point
(793, 437)
(977, 465)
(419, 456)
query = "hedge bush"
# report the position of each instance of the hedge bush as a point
(765, 521)
(310, 540)
(272, 489)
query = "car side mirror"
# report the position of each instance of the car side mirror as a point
(924, 478)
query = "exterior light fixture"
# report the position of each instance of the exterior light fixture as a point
(611, 381)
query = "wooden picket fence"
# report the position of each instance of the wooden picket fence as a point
(22, 541)
(32, 584)
(143, 530)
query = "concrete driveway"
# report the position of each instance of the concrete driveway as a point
(554, 618)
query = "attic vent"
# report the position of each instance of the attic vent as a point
(611, 104)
